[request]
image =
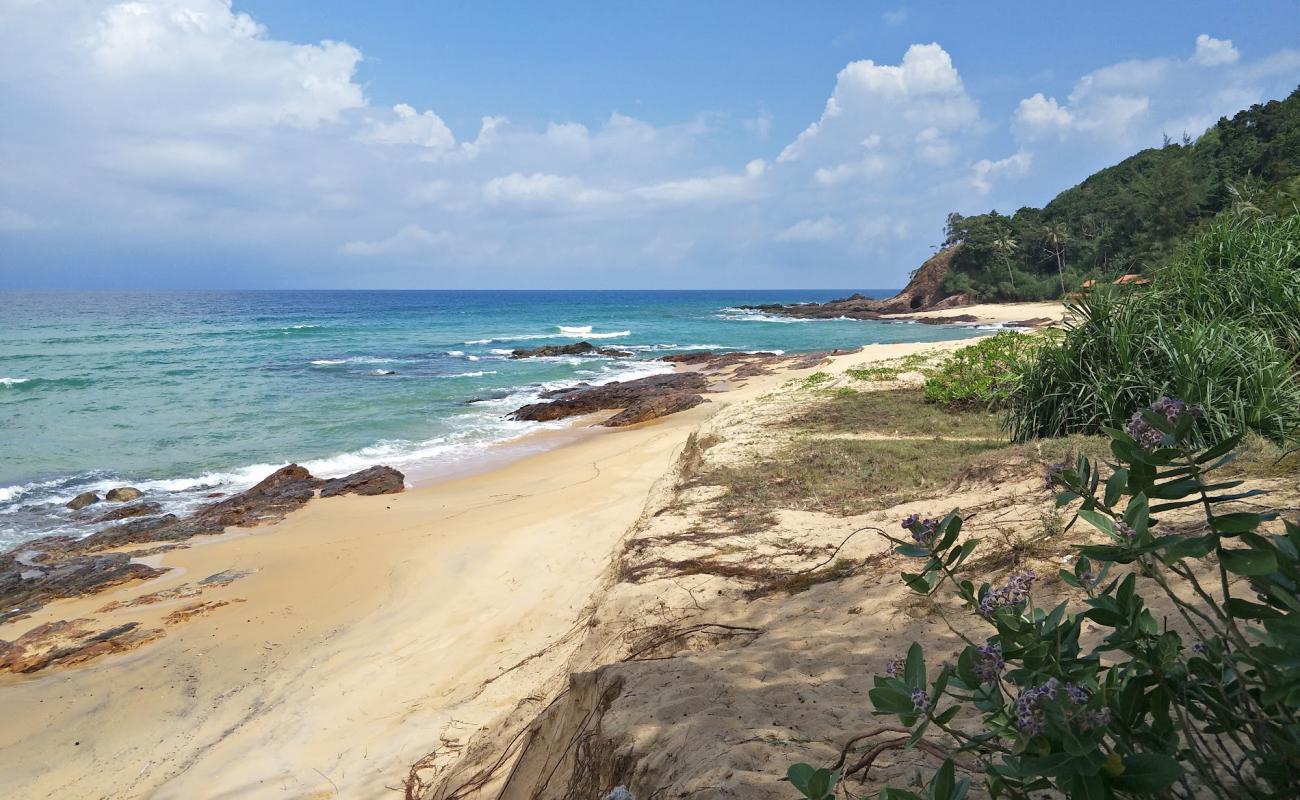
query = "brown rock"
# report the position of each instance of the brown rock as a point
(69, 642)
(653, 407)
(29, 582)
(125, 512)
(616, 395)
(576, 349)
(82, 500)
(122, 494)
(375, 480)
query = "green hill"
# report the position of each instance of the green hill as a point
(1129, 217)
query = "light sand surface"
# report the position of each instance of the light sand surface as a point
(990, 313)
(365, 630)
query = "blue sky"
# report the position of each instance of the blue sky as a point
(188, 143)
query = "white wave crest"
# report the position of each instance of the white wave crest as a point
(13, 381)
(574, 328)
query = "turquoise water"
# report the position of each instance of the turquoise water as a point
(185, 394)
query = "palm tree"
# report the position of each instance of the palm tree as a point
(1006, 245)
(1056, 236)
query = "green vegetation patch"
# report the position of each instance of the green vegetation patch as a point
(895, 412)
(985, 374)
(1219, 326)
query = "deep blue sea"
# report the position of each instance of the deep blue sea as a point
(183, 394)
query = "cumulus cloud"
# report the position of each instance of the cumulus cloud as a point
(986, 172)
(412, 127)
(1211, 52)
(410, 239)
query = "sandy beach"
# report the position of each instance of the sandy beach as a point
(358, 632)
(993, 313)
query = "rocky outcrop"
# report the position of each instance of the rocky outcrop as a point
(375, 480)
(82, 500)
(69, 642)
(576, 349)
(122, 494)
(30, 578)
(924, 292)
(653, 407)
(126, 512)
(660, 392)
(63, 566)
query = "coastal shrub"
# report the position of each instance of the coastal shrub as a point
(984, 374)
(1203, 708)
(1219, 325)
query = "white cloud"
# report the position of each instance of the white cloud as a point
(1039, 116)
(1211, 52)
(412, 127)
(889, 105)
(985, 171)
(811, 230)
(410, 239)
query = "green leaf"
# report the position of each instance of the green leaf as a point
(1088, 787)
(1115, 486)
(1098, 520)
(914, 670)
(1147, 773)
(1240, 522)
(1248, 562)
(1222, 448)
(912, 551)
(945, 781)
(799, 775)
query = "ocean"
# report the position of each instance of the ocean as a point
(184, 394)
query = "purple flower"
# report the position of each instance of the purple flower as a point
(920, 700)
(1029, 714)
(1097, 719)
(989, 662)
(894, 667)
(1200, 648)
(1148, 436)
(1078, 694)
(1050, 477)
(1123, 530)
(923, 530)
(1087, 578)
(910, 520)
(1015, 591)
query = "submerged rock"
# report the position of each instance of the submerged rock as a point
(576, 349)
(122, 494)
(375, 480)
(82, 500)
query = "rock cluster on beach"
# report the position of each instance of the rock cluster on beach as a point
(575, 349)
(640, 400)
(63, 566)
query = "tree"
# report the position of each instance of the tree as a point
(1056, 235)
(1005, 244)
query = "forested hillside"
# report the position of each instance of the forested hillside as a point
(1128, 217)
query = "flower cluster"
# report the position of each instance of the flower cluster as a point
(922, 530)
(1149, 436)
(1029, 714)
(989, 662)
(1015, 591)
(1124, 530)
(1049, 477)
(1097, 719)
(920, 700)
(894, 667)
(1078, 695)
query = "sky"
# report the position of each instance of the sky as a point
(161, 144)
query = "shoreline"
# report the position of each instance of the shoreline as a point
(351, 633)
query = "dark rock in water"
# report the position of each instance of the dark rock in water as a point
(385, 372)
(375, 480)
(617, 395)
(576, 349)
(653, 407)
(28, 586)
(122, 494)
(82, 500)
(125, 512)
